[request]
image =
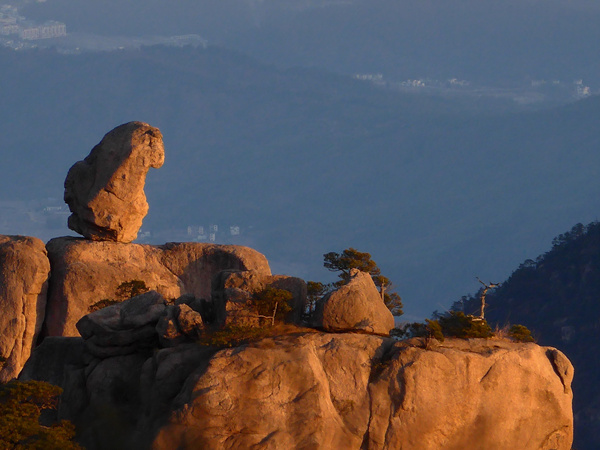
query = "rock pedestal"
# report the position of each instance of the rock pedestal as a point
(105, 191)
(85, 272)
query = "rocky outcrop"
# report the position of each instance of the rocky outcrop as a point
(356, 391)
(85, 272)
(233, 290)
(355, 306)
(24, 271)
(105, 191)
(327, 391)
(145, 374)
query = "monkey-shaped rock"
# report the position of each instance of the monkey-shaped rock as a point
(105, 191)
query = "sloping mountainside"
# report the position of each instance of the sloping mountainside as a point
(306, 162)
(486, 41)
(557, 297)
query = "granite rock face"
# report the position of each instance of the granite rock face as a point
(24, 272)
(356, 305)
(327, 391)
(85, 272)
(356, 391)
(105, 191)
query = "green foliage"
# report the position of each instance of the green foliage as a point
(435, 329)
(130, 289)
(558, 285)
(234, 335)
(315, 290)
(124, 291)
(353, 259)
(268, 299)
(103, 304)
(393, 301)
(520, 333)
(457, 324)
(21, 404)
(430, 329)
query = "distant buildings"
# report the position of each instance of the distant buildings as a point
(48, 30)
(211, 233)
(12, 24)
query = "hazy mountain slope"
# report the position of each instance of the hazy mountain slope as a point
(489, 42)
(486, 41)
(556, 296)
(305, 162)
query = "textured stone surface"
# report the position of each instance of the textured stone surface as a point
(326, 391)
(85, 272)
(105, 191)
(167, 328)
(355, 306)
(125, 327)
(358, 391)
(24, 271)
(189, 321)
(179, 324)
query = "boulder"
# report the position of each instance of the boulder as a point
(85, 272)
(189, 321)
(355, 306)
(167, 328)
(24, 272)
(105, 191)
(179, 324)
(125, 327)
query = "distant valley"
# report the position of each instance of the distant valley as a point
(438, 190)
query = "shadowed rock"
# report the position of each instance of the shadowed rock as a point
(105, 191)
(123, 328)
